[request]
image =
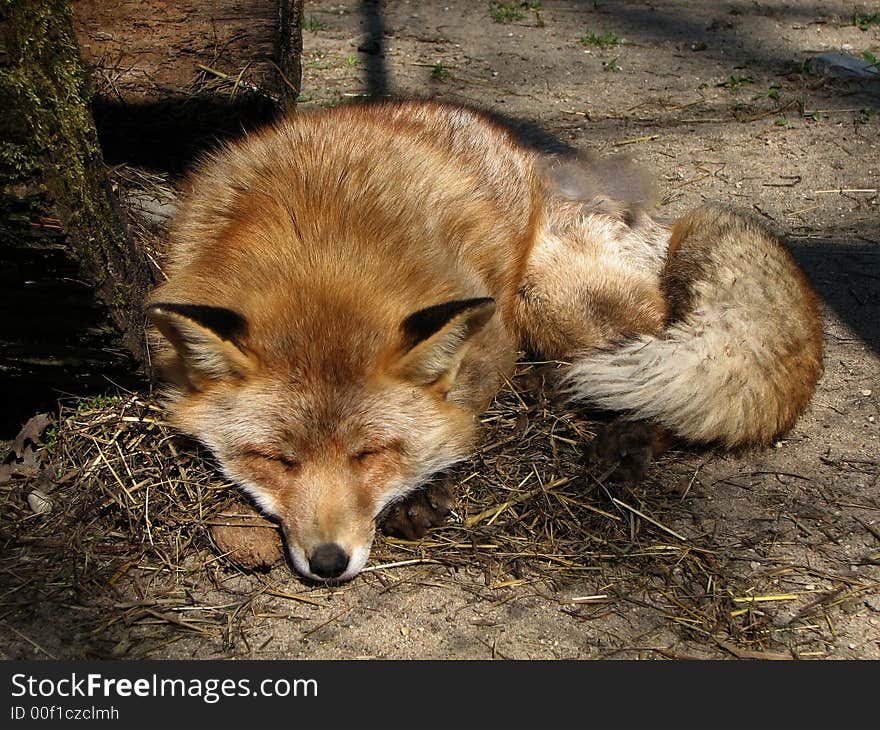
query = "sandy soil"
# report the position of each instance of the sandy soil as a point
(712, 97)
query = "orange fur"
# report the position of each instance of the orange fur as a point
(349, 289)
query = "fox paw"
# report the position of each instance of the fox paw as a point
(627, 449)
(422, 510)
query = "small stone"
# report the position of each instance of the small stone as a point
(247, 538)
(39, 502)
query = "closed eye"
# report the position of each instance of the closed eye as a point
(288, 462)
(363, 456)
(284, 460)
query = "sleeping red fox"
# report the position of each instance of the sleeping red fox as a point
(349, 289)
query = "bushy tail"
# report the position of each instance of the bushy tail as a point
(741, 354)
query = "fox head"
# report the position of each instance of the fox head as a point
(324, 428)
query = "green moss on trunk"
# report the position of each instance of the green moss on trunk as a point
(50, 160)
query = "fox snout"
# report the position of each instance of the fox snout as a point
(328, 560)
(329, 529)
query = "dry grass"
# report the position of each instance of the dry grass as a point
(127, 539)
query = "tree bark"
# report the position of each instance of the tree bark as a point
(289, 50)
(73, 280)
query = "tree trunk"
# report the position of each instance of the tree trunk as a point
(73, 281)
(289, 50)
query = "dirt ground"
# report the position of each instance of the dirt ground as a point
(773, 553)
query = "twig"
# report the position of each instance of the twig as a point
(649, 519)
(400, 564)
(496, 510)
(847, 190)
(294, 597)
(750, 653)
(326, 623)
(767, 599)
(636, 140)
(30, 641)
(598, 598)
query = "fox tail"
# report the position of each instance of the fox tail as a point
(741, 352)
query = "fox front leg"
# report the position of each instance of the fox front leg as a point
(412, 517)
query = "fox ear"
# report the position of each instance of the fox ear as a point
(436, 338)
(206, 340)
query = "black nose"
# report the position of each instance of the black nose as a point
(328, 560)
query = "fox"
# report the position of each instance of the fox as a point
(349, 288)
